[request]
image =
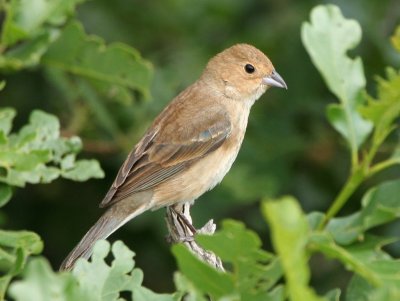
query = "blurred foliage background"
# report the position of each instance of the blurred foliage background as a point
(289, 146)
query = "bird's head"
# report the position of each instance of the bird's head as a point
(242, 72)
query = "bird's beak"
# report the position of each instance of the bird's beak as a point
(274, 80)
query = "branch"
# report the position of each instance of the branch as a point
(181, 232)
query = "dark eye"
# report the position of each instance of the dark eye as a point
(249, 68)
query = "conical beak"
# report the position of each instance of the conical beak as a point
(274, 80)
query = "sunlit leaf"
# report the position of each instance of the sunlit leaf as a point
(89, 281)
(384, 110)
(6, 117)
(83, 170)
(396, 39)
(24, 18)
(255, 271)
(203, 276)
(37, 153)
(290, 233)
(5, 194)
(328, 37)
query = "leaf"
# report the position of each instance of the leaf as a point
(395, 39)
(28, 53)
(186, 288)
(6, 117)
(333, 295)
(41, 283)
(26, 240)
(327, 38)
(5, 194)
(255, 271)
(360, 290)
(37, 153)
(380, 205)
(83, 170)
(15, 247)
(89, 281)
(24, 18)
(206, 278)
(382, 265)
(290, 232)
(112, 69)
(100, 281)
(384, 110)
(322, 242)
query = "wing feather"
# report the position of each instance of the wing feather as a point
(155, 159)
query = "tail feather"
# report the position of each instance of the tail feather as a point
(116, 216)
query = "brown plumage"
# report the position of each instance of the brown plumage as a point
(190, 146)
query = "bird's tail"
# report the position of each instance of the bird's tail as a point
(116, 216)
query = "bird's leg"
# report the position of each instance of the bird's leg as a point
(179, 223)
(183, 214)
(181, 230)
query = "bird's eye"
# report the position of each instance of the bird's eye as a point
(249, 68)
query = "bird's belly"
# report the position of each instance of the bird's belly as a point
(199, 178)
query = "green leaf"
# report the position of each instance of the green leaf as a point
(84, 170)
(290, 233)
(5, 194)
(327, 38)
(6, 117)
(41, 283)
(100, 281)
(205, 277)
(37, 153)
(89, 281)
(15, 247)
(186, 288)
(333, 295)
(322, 242)
(255, 271)
(28, 53)
(384, 110)
(112, 69)
(380, 205)
(360, 290)
(28, 241)
(396, 39)
(24, 18)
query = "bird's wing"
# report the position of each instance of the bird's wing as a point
(166, 151)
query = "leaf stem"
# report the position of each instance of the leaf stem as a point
(352, 183)
(383, 165)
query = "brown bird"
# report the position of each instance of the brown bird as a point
(190, 146)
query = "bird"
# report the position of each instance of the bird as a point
(190, 146)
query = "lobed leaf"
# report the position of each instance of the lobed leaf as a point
(37, 153)
(254, 270)
(83, 170)
(327, 38)
(15, 247)
(90, 281)
(384, 110)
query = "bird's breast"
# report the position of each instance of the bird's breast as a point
(207, 172)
